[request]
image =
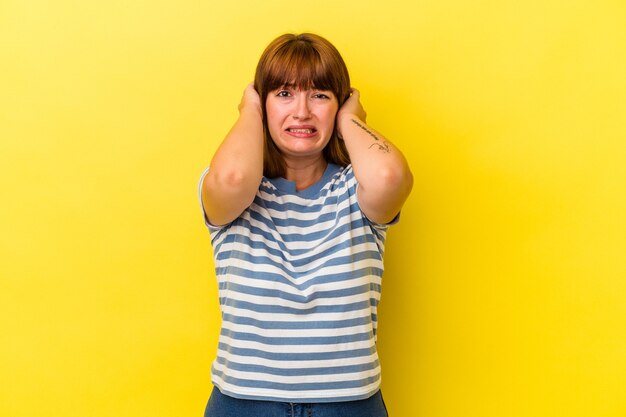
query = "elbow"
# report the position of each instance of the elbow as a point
(230, 185)
(231, 179)
(396, 178)
(225, 179)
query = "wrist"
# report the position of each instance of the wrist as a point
(349, 120)
(251, 109)
(344, 118)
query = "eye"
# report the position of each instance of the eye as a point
(322, 96)
(283, 93)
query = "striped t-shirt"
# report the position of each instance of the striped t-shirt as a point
(299, 277)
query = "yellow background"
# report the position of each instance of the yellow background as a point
(505, 290)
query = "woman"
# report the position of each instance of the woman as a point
(298, 198)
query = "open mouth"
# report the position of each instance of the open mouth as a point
(302, 131)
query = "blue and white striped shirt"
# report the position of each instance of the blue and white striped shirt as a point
(299, 277)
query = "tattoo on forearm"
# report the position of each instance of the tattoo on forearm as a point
(382, 146)
(366, 129)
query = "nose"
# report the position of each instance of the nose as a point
(301, 110)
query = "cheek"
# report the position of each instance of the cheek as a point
(274, 112)
(330, 117)
(274, 125)
(270, 108)
(272, 117)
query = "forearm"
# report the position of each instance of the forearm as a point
(381, 170)
(236, 169)
(377, 163)
(239, 158)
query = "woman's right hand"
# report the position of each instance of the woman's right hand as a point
(251, 100)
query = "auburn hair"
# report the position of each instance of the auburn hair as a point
(303, 61)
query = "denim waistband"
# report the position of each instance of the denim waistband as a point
(221, 405)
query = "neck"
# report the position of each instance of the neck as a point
(305, 173)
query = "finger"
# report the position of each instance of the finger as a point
(250, 88)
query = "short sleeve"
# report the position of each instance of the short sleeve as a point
(351, 178)
(208, 224)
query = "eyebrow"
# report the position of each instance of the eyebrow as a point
(295, 87)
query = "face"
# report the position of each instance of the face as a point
(301, 122)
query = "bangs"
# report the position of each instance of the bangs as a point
(299, 65)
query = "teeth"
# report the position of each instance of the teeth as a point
(301, 130)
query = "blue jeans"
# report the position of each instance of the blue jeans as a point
(221, 405)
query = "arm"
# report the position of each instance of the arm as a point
(237, 166)
(381, 170)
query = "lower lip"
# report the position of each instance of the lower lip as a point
(301, 134)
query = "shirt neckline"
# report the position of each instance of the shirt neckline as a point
(289, 187)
